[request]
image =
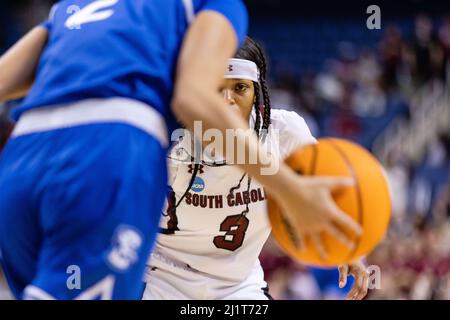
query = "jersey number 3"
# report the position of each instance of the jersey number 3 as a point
(235, 228)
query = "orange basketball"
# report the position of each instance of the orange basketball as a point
(368, 202)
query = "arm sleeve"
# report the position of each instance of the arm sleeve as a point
(293, 130)
(234, 11)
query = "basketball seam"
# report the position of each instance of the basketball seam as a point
(314, 165)
(314, 160)
(358, 192)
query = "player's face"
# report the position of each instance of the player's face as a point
(239, 94)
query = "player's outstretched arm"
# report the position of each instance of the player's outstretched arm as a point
(18, 64)
(208, 45)
(307, 202)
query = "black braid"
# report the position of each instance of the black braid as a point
(265, 91)
(191, 183)
(247, 209)
(257, 110)
(267, 108)
(238, 185)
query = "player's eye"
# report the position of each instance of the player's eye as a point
(241, 87)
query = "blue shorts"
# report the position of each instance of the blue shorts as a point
(79, 211)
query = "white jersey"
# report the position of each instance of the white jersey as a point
(208, 232)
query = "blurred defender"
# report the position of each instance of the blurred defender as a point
(90, 143)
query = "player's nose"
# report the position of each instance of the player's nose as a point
(229, 97)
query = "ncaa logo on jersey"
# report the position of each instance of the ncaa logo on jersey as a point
(126, 243)
(198, 185)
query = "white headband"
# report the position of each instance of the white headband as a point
(242, 69)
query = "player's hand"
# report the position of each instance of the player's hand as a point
(359, 271)
(308, 205)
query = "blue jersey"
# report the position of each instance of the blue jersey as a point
(118, 48)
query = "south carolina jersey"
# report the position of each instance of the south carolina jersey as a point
(208, 231)
(118, 48)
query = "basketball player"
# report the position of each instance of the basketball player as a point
(215, 224)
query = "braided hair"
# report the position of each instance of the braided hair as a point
(251, 51)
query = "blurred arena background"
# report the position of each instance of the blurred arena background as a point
(386, 89)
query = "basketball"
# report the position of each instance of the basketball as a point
(368, 202)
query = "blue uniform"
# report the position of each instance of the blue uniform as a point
(80, 203)
(328, 282)
(132, 53)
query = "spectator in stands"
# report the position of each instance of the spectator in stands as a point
(430, 56)
(422, 44)
(369, 99)
(391, 47)
(444, 38)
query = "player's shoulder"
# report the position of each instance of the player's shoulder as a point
(291, 130)
(285, 119)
